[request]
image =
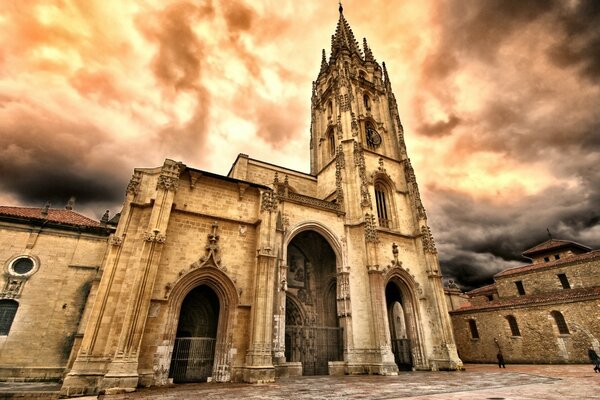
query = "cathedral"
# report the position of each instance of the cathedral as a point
(269, 272)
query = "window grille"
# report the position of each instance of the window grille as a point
(382, 208)
(8, 310)
(561, 324)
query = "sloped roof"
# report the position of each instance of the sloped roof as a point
(60, 216)
(550, 264)
(553, 244)
(487, 289)
(539, 299)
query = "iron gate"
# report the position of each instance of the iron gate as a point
(402, 354)
(314, 347)
(192, 359)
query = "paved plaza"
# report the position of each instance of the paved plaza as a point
(485, 382)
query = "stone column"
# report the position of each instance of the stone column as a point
(122, 372)
(90, 364)
(384, 363)
(259, 363)
(445, 355)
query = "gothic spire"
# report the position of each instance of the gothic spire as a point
(324, 64)
(344, 39)
(368, 52)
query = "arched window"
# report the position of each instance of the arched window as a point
(8, 309)
(382, 206)
(331, 139)
(367, 102)
(561, 324)
(514, 327)
(473, 328)
(329, 110)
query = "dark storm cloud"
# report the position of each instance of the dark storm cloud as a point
(41, 160)
(542, 111)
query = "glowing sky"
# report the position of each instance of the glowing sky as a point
(499, 99)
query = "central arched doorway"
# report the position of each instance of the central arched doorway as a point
(195, 341)
(402, 324)
(313, 335)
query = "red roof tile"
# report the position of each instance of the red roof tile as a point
(550, 264)
(483, 290)
(558, 296)
(553, 244)
(60, 216)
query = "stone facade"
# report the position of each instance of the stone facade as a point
(265, 272)
(51, 263)
(544, 312)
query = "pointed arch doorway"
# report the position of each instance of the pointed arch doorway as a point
(196, 337)
(402, 324)
(313, 335)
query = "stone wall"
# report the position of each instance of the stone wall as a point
(51, 301)
(539, 340)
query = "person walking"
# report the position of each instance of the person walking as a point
(594, 359)
(500, 358)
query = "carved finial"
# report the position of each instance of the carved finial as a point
(395, 251)
(323, 63)
(341, 8)
(70, 203)
(367, 51)
(276, 180)
(45, 209)
(104, 219)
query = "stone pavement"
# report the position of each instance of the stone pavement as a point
(547, 382)
(485, 382)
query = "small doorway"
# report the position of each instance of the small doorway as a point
(196, 338)
(400, 324)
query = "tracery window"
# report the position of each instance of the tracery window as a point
(514, 327)
(331, 139)
(561, 324)
(382, 206)
(8, 310)
(473, 328)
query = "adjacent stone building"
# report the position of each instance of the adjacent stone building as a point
(544, 312)
(269, 272)
(51, 262)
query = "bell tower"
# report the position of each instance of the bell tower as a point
(352, 98)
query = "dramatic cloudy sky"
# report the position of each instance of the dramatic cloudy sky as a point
(500, 102)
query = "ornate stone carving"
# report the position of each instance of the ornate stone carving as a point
(371, 234)
(169, 175)
(134, 184)
(359, 162)
(428, 242)
(344, 307)
(155, 236)
(115, 240)
(413, 188)
(340, 164)
(354, 125)
(269, 201)
(212, 248)
(12, 287)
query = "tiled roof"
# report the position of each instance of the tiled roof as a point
(553, 244)
(482, 290)
(538, 299)
(60, 216)
(550, 264)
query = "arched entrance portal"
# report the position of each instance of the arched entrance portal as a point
(312, 332)
(194, 348)
(402, 324)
